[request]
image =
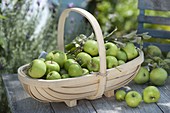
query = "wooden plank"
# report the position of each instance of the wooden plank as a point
(20, 102)
(164, 102)
(162, 5)
(83, 106)
(154, 20)
(18, 99)
(155, 33)
(110, 105)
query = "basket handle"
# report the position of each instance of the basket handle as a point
(97, 30)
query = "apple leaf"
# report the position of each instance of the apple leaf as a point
(130, 35)
(110, 34)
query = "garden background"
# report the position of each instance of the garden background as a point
(30, 27)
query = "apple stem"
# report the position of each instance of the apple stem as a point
(133, 95)
(120, 43)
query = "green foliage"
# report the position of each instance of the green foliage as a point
(18, 42)
(119, 13)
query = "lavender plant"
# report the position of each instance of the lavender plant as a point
(22, 35)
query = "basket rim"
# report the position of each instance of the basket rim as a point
(23, 77)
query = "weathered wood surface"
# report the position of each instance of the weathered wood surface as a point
(154, 5)
(20, 102)
(162, 5)
(154, 20)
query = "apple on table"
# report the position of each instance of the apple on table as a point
(133, 98)
(120, 95)
(142, 76)
(151, 94)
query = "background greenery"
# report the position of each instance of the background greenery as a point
(19, 45)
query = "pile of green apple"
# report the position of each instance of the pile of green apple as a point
(83, 60)
(133, 98)
(155, 68)
(153, 72)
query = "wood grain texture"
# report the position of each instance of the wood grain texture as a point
(20, 102)
(155, 5)
(162, 5)
(83, 106)
(110, 105)
(155, 33)
(154, 20)
(164, 102)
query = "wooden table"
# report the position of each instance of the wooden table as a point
(20, 102)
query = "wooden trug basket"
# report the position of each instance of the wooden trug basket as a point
(91, 86)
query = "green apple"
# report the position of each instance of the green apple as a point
(52, 66)
(121, 55)
(68, 62)
(167, 61)
(130, 51)
(57, 56)
(85, 71)
(75, 70)
(94, 64)
(111, 62)
(91, 47)
(153, 50)
(37, 68)
(111, 49)
(42, 59)
(158, 76)
(120, 95)
(133, 98)
(168, 55)
(50, 56)
(166, 65)
(142, 76)
(53, 75)
(65, 76)
(83, 59)
(120, 62)
(151, 94)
